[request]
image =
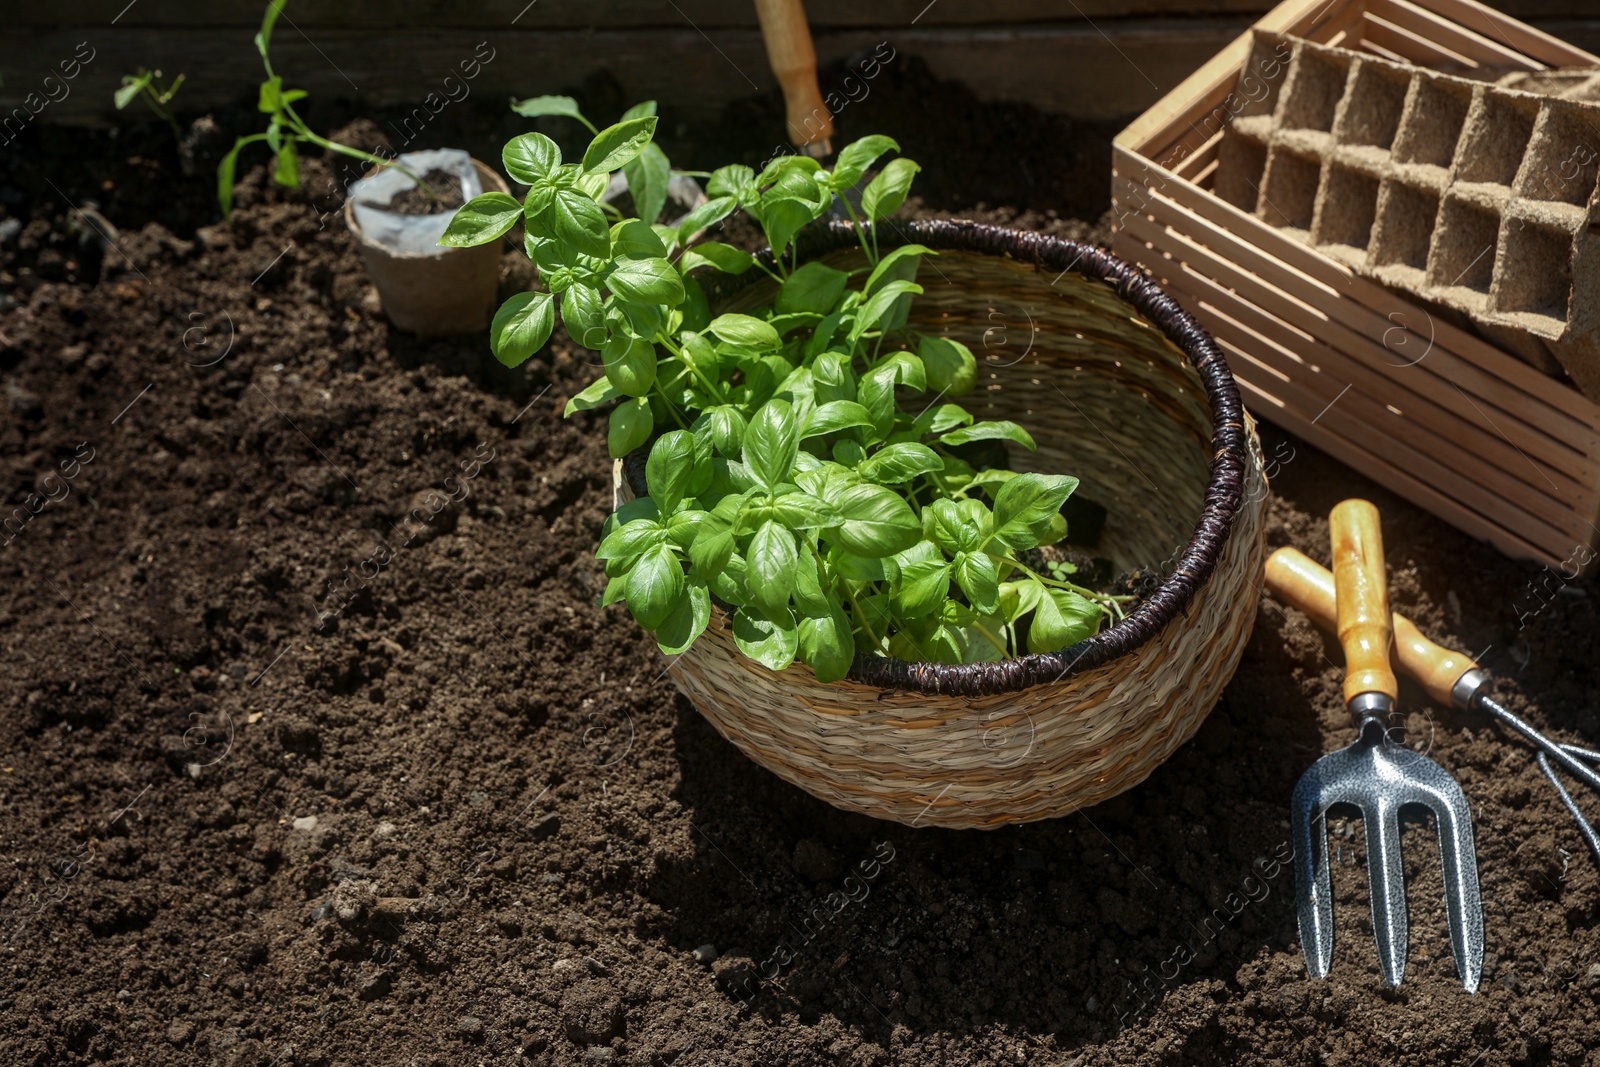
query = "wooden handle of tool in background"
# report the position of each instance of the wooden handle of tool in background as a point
(794, 61)
(1362, 588)
(1302, 582)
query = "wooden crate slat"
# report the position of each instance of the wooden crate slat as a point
(1398, 481)
(1440, 451)
(1465, 481)
(1446, 33)
(1398, 43)
(1581, 423)
(1536, 44)
(1304, 308)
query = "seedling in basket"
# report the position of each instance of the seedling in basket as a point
(804, 461)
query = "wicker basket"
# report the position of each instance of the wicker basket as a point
(1119, 387)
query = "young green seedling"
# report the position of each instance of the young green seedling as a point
(286, 130)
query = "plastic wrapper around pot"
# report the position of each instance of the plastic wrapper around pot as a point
(1119, 387)
(437, 293)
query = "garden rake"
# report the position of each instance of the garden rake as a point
(1375, 775)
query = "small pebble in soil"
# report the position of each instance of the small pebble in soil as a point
(306, 822)
(706, 953)
(470, 1026)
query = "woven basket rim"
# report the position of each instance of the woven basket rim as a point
(1224, 491)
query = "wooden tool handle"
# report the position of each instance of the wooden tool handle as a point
(1302, 582)
(1362, 589)
(794, 61)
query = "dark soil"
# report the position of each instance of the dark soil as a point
(414, 201)
(315, 748)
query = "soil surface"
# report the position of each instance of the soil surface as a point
(415, 201)
(315, 748)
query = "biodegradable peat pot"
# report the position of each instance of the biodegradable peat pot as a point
(435, 294)
(1120, 387)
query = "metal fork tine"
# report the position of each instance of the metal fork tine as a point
(1585, 827)
(1387, 878)
(1459, 857)
(1314, 899)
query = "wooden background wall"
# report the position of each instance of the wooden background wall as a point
(1100, 59)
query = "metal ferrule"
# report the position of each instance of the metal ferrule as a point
(1369, 707)
(1467, 687)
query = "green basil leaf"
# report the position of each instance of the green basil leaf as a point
(941, 418)
(727, 430)
(630, 426)
(630, 364)
(648, 175)
(827, 644)
(885, 193)
(780, 166)
(616, 145)
(875, 392)
(857, 157)
(833, 416)
(1019, 598)
(993, 430)
(531, 158)
(695, 310)
(669, 468)
(879, 304)
(710, 552)
(1063, 618)
(132, 86)
(770, 444)
(583, 313)
(897, 463)
(593, 186)
(951, 368)
(878, 522)
(772, 644)
(601, 391)
(536, 107)
(631, 540)
(636, 240)
(802, 511)
(769, 568)
(815, 287)
(288, 170)
(898, 265)
(646, 281)
(578, 220)
(856, 569)
(734, 181)
(924, 585)
(654, 585)
(745, 330)
(687, 620)
(726, 258)
(616, 590)
(832, 377)
(1026, 504)
(713, 210)
(811, 595)
(979, 578)
(951, 528)
(908, 369)
(643, 321)
(782, 219)
(521, 327)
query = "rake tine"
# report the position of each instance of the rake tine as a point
(1387, 878)
(1314, 896)
(1584, 826)
(1459, 855)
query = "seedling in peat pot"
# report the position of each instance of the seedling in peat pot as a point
(286, 129)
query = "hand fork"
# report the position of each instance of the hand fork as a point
(1449, 677)
(1378, 778)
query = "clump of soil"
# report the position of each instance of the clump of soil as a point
(317, 748)
(446, 195)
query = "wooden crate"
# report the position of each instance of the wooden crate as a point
(1424, 407)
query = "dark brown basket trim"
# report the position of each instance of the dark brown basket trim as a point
(1224, 492)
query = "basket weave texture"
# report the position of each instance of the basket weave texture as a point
(1119, 387)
